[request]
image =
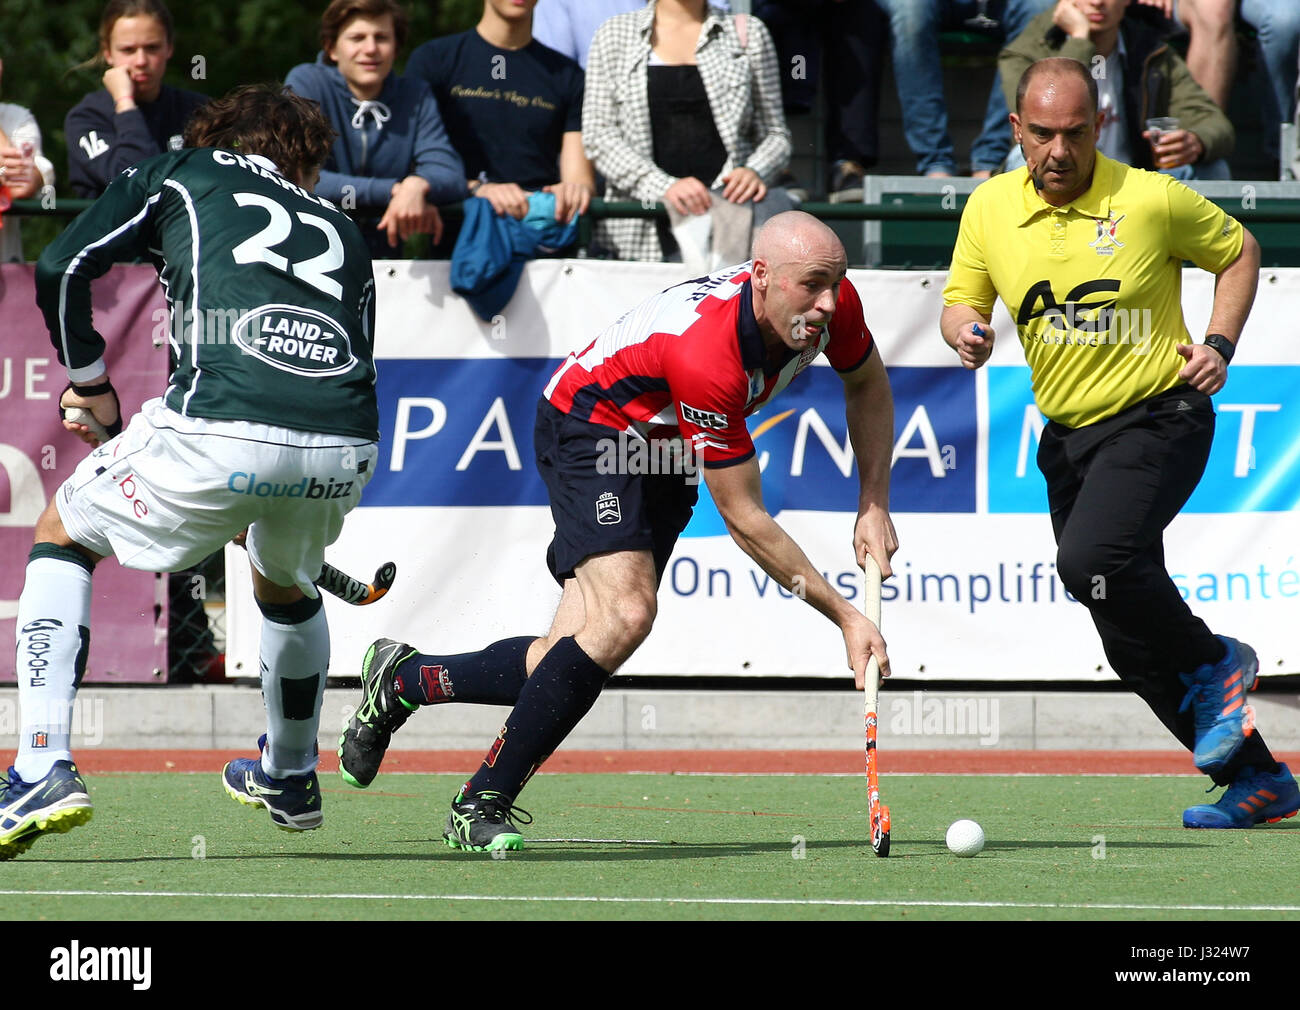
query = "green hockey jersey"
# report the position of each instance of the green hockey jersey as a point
(270, 291)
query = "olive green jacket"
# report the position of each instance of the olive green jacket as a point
(1156, 81)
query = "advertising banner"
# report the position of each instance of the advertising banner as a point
(457, 503)
(128, 612)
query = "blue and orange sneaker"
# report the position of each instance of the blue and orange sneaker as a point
(1217, 694)
(293, 802)
(1253, 798)
(56, 802)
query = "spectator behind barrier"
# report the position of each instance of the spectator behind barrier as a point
(1139, 78)
(852, 34)
(1277, 26)
(682, 99)
(568, 26)
(24, 171)
(1212, 52)
(1295, 154)
(392, 162)
(1211, 45)
(914, 27)
(513, 111)
(135, 115)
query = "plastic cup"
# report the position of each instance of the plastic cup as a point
(1161, 124)
(1156, 126)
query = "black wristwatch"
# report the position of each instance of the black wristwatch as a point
(1222, 344)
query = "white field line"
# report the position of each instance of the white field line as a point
(615, 900)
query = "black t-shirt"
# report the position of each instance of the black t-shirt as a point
(686, 139)
(506, 110)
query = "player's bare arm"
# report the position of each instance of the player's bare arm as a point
(957, 323)
(869, 410)
(737, 493)
(1234, 294)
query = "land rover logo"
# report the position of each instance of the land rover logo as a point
(294, 339)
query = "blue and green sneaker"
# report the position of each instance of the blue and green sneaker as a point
(54, 803)
(294, 802)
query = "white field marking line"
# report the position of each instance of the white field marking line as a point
(614, 900)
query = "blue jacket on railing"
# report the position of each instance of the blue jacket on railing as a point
(492, 248)
(380, 143)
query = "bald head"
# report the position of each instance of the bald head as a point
(1058, 75)
(798, 266)
(796, 237)
(1056, 125)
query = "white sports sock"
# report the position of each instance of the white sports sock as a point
(294, 660)
(53, 630)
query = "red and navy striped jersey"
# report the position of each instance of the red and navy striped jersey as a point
(690, 362)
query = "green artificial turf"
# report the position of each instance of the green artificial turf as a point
(675, 847)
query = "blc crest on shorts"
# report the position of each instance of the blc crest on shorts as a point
(608, 512)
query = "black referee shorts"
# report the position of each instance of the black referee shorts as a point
(599, 508)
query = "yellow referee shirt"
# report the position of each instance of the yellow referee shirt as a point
(1095, 287)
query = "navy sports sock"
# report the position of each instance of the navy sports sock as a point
(492, 676)
(560, 692)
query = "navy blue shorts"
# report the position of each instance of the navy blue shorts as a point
(597, 512)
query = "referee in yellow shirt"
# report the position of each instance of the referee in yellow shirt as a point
(1087, 254)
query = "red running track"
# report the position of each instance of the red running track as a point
(942, 762)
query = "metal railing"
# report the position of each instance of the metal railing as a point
(889, 199)
(601, 209)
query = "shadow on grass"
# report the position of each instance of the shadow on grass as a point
(538, 851)
(584, 851)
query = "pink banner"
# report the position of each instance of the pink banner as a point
(128, 613)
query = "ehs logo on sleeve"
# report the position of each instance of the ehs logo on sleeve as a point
(294, 339)
(704, 418)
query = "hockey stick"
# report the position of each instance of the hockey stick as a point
(877, 811)
(350, 590)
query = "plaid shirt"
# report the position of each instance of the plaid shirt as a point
(744, 89)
